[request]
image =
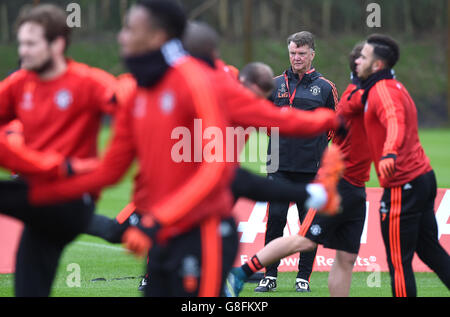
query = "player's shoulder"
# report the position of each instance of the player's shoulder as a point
(126, 88)
(393, 84)
(279, 80)
(388, 88)
(350, 87)
(190, 71)
(16, 77)
(90, 73)
(325, 82)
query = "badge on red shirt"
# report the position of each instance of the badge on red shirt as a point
(63, 99)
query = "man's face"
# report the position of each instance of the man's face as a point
(300, 57)
(34, 49)
(364, 63)
(137, 36)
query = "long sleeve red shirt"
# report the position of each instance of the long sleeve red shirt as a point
(392, 128)
(354, 146)
(63, 114)
(177, 193)
(17, 157)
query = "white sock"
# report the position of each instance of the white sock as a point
(317, 196)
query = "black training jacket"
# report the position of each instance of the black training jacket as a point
(313, 91)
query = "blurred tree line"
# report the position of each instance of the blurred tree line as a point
(257, 29)
(274, 18)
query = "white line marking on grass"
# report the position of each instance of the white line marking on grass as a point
(99, 245)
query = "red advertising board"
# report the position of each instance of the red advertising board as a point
(10, 231)
(251, 218)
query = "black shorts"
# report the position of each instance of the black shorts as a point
(195, 263)
(343, 231)
(408, 226)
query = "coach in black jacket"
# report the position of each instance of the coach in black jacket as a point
(303, 88)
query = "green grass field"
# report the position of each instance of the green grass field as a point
(121, 272)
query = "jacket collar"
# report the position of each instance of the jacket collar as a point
(372, 80)
(149, 68)
(309, 76)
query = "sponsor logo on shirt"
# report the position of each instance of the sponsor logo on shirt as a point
(315, 229)
(282, 91)
(63, 99)
(167, 102)
(315, 90)
(27, 101)
(139, 106)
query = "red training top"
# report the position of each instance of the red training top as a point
(63, 114)
(392, 128)
(354, 146)
(177, 185)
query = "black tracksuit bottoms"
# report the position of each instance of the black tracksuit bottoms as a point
(277, 218)
(47, 230)
(408, 225)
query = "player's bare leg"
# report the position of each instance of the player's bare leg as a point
(272, 252)
(340, 277)
(283, 247)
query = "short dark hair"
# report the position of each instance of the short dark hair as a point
(301, 39)
(385, 48)
(200, 40)
(354, 55)
(259, 74)
(52, 18)
(168, 15)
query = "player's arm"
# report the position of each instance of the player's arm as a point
(331, 103)
(7, 112)
(29, 163)
(391, 113)
(118, 157)
(42, 165)
(245, 109)
(350, 103)
(258, 188)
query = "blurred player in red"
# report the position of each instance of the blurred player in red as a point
(60, 103)
(183, 204)
(189, 197)
(243, 108)
(31, 164)
(258, 78)
(408, 222)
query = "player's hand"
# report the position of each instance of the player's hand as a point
(136, 241)
(386, 166)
